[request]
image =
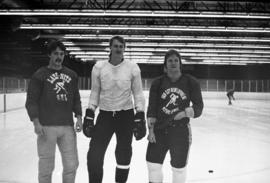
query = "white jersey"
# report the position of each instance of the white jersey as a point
(114, 87)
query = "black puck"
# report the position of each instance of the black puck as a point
(210, 171)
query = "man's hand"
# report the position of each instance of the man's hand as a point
(38, 127)
(180, 115)
(151, 122)
(78, 125)
(151, 136)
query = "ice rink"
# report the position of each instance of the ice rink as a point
(233, 141)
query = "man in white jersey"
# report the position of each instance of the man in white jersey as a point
(115, 83)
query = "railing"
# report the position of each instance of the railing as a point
(12, 90)
(16, 85)
(13, 85)
(238, 85)
(224, 85)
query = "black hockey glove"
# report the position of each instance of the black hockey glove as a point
(139, 129)
(88, 123)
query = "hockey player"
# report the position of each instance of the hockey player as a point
(52, 97)
(230, 96)
(114, 82)
(168, 116)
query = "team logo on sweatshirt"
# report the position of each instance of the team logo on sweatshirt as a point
(59, 81)
(172, 97)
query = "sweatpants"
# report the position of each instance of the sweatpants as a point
(66, 139)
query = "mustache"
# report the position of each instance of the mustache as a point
(58, 60)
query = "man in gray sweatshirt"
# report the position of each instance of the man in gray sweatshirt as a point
(52, 97)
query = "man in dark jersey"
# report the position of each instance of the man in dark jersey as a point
(168, 116)
(52, 97)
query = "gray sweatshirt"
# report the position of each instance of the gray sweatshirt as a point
(53, 96)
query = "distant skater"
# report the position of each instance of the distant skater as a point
(230, 95)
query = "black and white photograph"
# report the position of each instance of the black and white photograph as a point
(134, 91)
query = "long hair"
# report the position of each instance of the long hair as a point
(170, 53)
(118, 38)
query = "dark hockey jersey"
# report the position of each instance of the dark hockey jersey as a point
(167, 98)
(53, 96)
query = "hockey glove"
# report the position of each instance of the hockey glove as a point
(88, 123)
(139, 129)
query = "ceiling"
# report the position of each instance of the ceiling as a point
(205, 32)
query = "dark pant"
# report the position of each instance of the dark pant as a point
(230, 97)
(176, 139)
(107, 123)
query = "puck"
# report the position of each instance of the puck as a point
(210, 171)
